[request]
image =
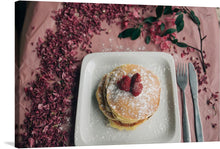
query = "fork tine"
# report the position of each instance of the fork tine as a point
(186, 70)
(178, 69)
(182, 69)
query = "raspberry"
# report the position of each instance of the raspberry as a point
(136, 78)
(136, 88)
(124, 83)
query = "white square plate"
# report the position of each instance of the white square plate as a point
(91, 125)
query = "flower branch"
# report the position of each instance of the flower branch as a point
(195, 19)
(165, 32)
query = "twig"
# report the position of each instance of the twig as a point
(188, 11)
(201, 50)
(194, 48)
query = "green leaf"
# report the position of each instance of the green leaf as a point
(179, 19)
(174, 41)
(194, 18)
(180, 26)
(179, 23)
(169, 31)
(176, 10)
(159, 11)
(136, 34)
(126, 33)
(184, 11)
(181, 44)
(197, 20)
(173, 37)
(140, 26)
(147, 40)
(178, 13)
(168, 10)
(162, 26)
(150, 20)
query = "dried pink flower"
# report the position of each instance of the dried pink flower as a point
(51, 93)
(135, 13)
(165, 45)
(31, 142)
(214, 125)
(207, 117)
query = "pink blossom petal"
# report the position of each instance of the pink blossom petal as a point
(135, 14)
(31, 142)
(40, 106)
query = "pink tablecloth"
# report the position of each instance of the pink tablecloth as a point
(39, 19)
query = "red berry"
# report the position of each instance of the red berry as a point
(124, 83)
(136, 88)
(136, 77)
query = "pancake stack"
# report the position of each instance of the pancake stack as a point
(123, 109)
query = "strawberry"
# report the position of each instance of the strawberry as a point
(136, 88)
(124, 83)
(136, 78)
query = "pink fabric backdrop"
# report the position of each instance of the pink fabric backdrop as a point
(38, 15)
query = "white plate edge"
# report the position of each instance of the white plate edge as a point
(169, 59)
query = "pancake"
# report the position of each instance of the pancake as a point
(127, 126)
(123, 110)
(128, 107)
(103, 106)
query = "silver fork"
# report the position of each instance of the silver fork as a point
(181, 75)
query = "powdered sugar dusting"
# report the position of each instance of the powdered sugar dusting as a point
(136, 107)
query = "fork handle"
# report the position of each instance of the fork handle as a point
(185, 121)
